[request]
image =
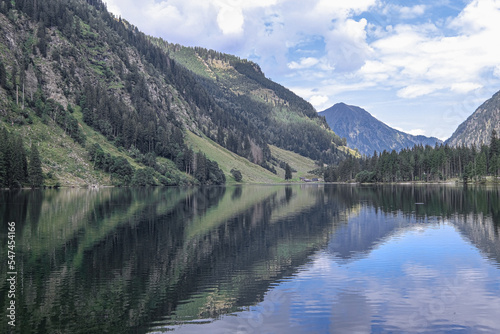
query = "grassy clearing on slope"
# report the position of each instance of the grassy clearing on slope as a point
(298, 162)
(192, 62)
(251, 172)
(95, 137)
(64, 162)
(228, 160)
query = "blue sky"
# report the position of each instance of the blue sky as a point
(420, 66)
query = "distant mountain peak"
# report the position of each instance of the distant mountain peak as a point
(366, 133)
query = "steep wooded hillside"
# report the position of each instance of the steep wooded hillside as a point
(106, 104)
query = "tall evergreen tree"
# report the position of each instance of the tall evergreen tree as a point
(288, 172)
(3, 75)
(35, 168)
(18, 163)
(481, 167)
(4, 153)
(494, 144)
(201, 167)
(3, 169)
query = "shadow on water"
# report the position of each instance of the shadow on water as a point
(127, 260)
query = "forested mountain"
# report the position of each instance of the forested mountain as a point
(265, 109)
(476, 130)
(368, 134)
(106, 104)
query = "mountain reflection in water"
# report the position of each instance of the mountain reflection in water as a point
(254, 259)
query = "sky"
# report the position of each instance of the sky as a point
(420, 66)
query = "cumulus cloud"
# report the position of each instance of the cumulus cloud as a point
(230, 20)
(422, 59)
(303, 63)
(320, 101)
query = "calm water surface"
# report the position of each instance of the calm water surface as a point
(254, 259)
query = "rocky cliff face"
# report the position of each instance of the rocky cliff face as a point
(477, 129)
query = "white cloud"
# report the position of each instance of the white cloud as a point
(403, 11)
(304, 63)
(411, 12)
(478, 15)
(417, 132)
(230, 20)
(113, 7)
(413, 91)
(421, 59)
(465, 87)
(346, 45)
(320, 102)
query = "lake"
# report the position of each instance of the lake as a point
(253, 259)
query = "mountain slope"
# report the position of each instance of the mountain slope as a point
(123, 98)
(366, 133)
(477, 129)
(278, 115)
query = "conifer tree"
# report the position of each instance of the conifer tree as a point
(35, 168)
(288, 172)
(18, 164)
(3, 170)
(3, 75)
(494, 144)
(201, 167)
(481, 165)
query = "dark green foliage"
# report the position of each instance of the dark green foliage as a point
(19, 165)
(201, 173)
(494, 154)
(51, 110)
(4, 159)
(419, 164)
(330, 174)
(121, 170)
(494, 144)
(144, 177)
(3, 76)
(236, 175)
(35, 168)
(42, 40)
(288, 172)
(481, 167)
(365, 177)
(13, 160)
(98, 157)
(207, 171)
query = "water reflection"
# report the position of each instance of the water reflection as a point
(308, 258)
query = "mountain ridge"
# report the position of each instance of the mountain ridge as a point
(366, 133)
